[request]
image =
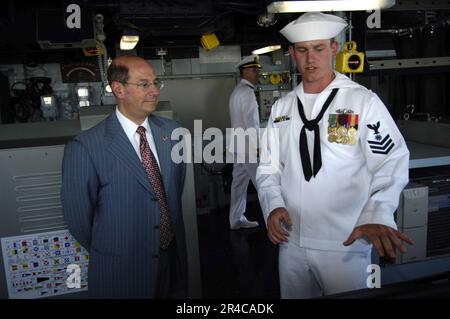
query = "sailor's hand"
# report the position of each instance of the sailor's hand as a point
(278, 224)
(385, 239)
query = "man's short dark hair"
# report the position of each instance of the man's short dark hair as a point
(117, 72)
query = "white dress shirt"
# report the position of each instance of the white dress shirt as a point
(308, 106)
(130, 130)
(244, 114)
(243, 106)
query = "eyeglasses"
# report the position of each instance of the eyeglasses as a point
(147, 85)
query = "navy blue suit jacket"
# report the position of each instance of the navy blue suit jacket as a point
(110, 207)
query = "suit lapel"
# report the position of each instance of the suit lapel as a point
(122, 149)
(161, 136)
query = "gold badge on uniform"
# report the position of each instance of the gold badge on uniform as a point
(342, 128)
(281, 119)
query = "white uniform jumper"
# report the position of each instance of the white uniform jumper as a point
(359, 182)
(243, 114)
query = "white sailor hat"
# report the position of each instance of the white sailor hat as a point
(313, 26)
(251, 61)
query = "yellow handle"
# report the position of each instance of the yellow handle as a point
(352, 45)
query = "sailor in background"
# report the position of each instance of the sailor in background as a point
(331, 176)
(244, 115)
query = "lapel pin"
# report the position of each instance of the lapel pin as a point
(165, 138)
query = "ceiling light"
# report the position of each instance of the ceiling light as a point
(330, 5)
(267, 49)
(128, 42)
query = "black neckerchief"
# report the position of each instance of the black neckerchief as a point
(312, 125)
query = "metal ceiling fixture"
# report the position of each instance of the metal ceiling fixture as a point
(266, 20)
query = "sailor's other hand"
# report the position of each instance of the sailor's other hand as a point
(384, 238)
(278, 224)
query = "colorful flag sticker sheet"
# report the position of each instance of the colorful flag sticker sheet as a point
(36, 264)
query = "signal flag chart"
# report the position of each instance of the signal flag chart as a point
(35, 264)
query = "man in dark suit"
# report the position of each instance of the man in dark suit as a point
(121, 193)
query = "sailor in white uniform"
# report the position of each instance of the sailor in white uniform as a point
(332, 167)
(244, 115)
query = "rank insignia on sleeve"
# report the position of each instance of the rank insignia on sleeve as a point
(381, 145)
(342, 128)
(281, 118)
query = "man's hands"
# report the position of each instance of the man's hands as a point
(278, 217)
(384, 238)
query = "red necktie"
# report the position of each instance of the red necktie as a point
(152, 170)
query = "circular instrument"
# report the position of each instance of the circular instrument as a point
(264, 78)
(275, 78)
